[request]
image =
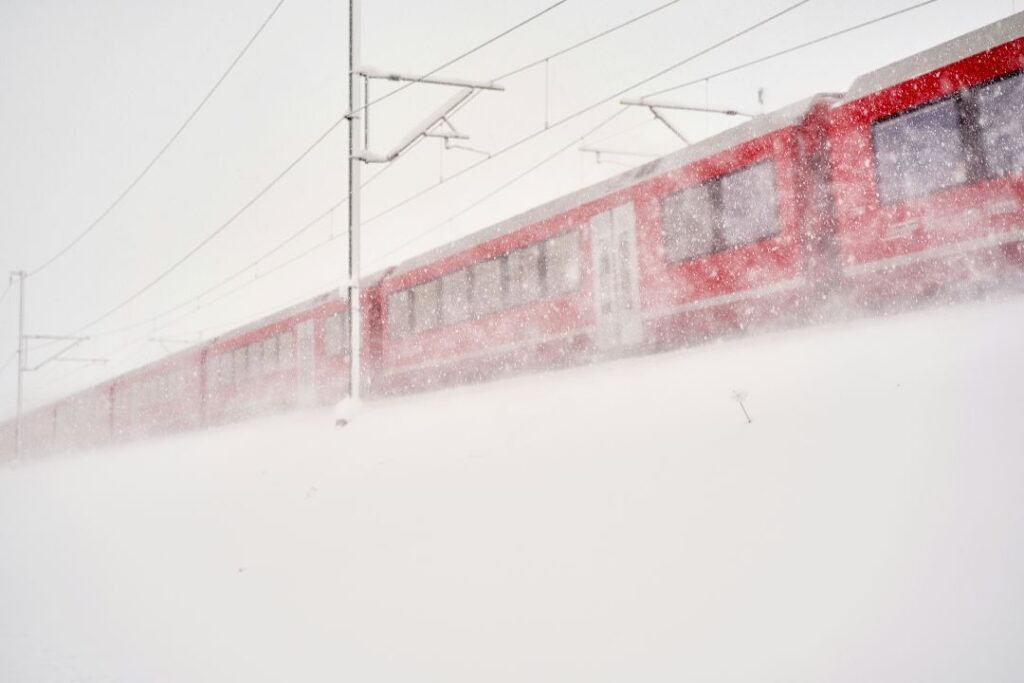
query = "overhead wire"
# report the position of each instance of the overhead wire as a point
(223, 226)
(553, 125)
(577, 114)
(794, 48)
(160, 153)
(717, 74)
(316, 220)
(585, 41)
(460, 57)
(252, 264)
(588, 108)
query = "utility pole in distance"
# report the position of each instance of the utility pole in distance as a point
(355, 116)
(358, 140)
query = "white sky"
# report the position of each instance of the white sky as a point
(90, 91)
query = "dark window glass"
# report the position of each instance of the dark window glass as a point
(688, 223)
(286, 348)
(919, 152)
(455, 296)
(1000, 111)
(426, 301)
(524, 275)
(335, 333)
(399, 314)
(749, 207)
(241, 365)
(488, 291)
(562, 263)
(270, 354)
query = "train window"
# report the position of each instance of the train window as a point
(488, 288)
(224, 370)
(919, 152)
(334, 334)
(524, 275)
(562, 263)
(399, 314)
(241, 365)
(688, 223)
(749, 208)
(455, 296)
(426, 305)
(255, 359)
(270, 355)
(286, 349)
(1000, 111)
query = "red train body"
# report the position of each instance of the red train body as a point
(910, 185)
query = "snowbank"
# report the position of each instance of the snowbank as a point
(615, 523)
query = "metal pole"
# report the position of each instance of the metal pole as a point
(22, 361)
(355, 104)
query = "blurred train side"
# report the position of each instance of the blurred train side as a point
(772, 222)
(295, 358)
(927, 160)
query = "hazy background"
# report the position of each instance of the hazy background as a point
(90, 91)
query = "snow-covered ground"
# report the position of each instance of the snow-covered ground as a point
(620, 522)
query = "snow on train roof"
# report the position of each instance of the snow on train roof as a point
(756, 127)
(984, 38)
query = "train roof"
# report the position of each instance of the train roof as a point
(749, 130)
(984, 38)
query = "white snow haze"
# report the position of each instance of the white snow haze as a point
(834, 494)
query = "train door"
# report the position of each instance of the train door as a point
(616, 284)
(305, 353)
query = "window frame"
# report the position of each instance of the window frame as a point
(513, 294)
(335, 341)
(714, 185)
(445, 319)
(502, 304)
(977, 166)
(406, 330)
(414, 296)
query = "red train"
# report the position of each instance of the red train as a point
(908, 186)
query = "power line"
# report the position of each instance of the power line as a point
(462, 56)
(223, 226)
(566, 119)
(343, 200)
(6, 290)
(522, 141)
(794, 48)
(583, 42)
(152, 162)
(587, 109)
(543, 130)
(263, 257)
(692, 82)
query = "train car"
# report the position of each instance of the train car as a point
(732, 232)
(698, 243)
(510, 296)
(295, 358)
(158, 398)
(84, 420)
(38, 428)
(928, 157)
(909, 185)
